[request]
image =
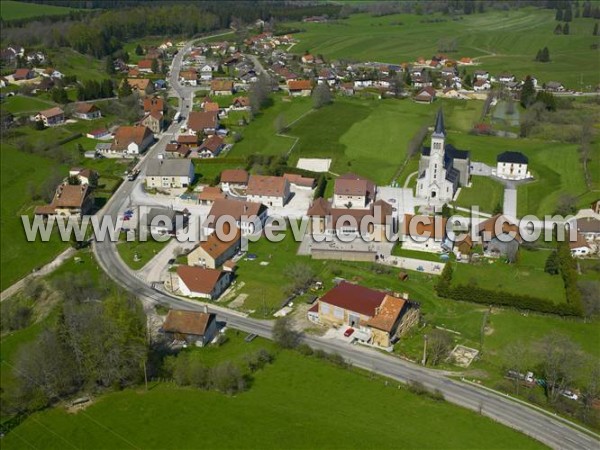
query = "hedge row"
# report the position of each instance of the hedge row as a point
(477, 294)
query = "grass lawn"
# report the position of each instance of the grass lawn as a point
(18, 256)
(519, 278)
(20, 10)
(20, 104)
(484, 192)
(207, 173)
(280, 410)
(85, 67)
(494, 38)
(145, 250)
(427, 256)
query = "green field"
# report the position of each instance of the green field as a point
(84, 67)
(282, 397)
(500, 41)
(484, 192)
(10, 10)
(19, 104)
(516, 278)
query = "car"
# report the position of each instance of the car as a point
(348, 332)
(251, 256)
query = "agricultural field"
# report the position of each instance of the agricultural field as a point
(494, 39)
(20, 10)
(282, 395)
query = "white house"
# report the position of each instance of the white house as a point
(424, 233)
(199, 282)
(271, 191)
(131, 140)
(206, 72)
(512, 166)
(169, 173)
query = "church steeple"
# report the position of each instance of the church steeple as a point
(440, 130)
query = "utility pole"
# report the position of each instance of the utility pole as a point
(424, 350)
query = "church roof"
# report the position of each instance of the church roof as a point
(451, 152)
(439, 130)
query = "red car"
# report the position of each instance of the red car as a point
(349, 332)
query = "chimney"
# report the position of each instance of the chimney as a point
(205, 309)
(405, 295)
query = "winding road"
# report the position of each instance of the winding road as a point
(550, 430)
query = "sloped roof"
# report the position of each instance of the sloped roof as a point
(187, 322)
(221, 85)
(267, 186)
(387, 313)
(239, 176)
(201, 120)
(215, 247)
(512, 157)
(52, 112)
(199, 279)
(169, 167)
(355, 298)
(125, 135)
(299, 85)
(426, 226)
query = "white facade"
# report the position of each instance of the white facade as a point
(433, 185)
(512, 171)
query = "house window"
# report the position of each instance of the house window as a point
(338, 313)
(324, 308)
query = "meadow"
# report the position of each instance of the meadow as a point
(484, 192)
(282, 396)
(495, 39)
(145, 251)
(12, 10)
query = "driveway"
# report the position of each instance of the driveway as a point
(510, 202)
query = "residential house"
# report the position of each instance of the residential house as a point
(145, 65)
(209, 106)
(302, 88)
(191, 140)
(272, 191)
(154, 120)
(206, 122)
(308, 59)
(425, 95)
(194, 327)
(131, 140)
(211, 146)
(51, 117)
(241, 103)
(499, 235)
(84, 176)
(589, 227)
(169, 173)
(23, 74)
(248, 216)
(177, 150)
(69, 201)
(512, 166)
(214, 251)
(199, 282)
(506, 78)
(481, 85)
(554, 86)
(52, 73)
(87, 111)
(481, 75)
(234, 178)
(221, 87)
(210, 194)
(580, 247)
(206, 72)
(377, 318)
(141, 86)
(154, 104)
(353, 191)
(424, 233)
(299, 181)
(100, 133)
(188, 77)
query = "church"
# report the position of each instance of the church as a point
(442, 168)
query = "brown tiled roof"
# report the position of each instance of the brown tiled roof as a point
(215, 247)
(212, 143)
(235, 209)
(70, 196)
(355, 298)
(381, 215)
(21, 73)
(489, 226)
(182, 149)
(189, 74)
(199, 279)
(211, 106)
(84, 108)
(431, 226)
(125, 135)
(353, 177)
(154, 104)
(387, 314)
(262, 185)
(221, 85)
(187, 322)
(211, 193)
(241, 101)
(580, 242)
(588, 225)
(299, 85)
(200, 120)
(188, 139)
(238, 176)
(319, 208)
(52, 112)
(299, 179)
(140, 84)
(350, 187)
(145, 64)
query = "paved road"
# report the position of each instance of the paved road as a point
(552, 431)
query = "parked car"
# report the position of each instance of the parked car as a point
(348, 332)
